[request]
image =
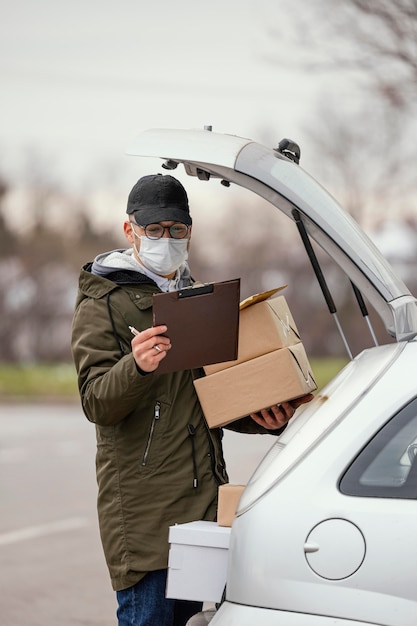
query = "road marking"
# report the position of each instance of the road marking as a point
(31, 532)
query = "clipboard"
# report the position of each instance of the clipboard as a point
(202, 322)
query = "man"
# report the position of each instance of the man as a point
(151, 432)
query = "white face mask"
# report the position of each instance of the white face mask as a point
(163, 256)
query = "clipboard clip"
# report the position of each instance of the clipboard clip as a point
(195, 291)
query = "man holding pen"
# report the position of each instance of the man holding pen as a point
(157, 462)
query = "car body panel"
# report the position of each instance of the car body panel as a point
(235, 615)
(380, 587)
(329, 407)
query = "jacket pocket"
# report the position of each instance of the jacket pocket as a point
(154, 425)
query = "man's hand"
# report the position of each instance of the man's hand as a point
(149, 347)
(279, 415)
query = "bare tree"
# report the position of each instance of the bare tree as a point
(383, 41)
(364, 160)
(373, 41)
(363, 121)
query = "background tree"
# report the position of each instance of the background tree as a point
(380, 45)
(363, 120)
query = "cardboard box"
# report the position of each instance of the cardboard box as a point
(197, 563)
(228, 501)
(264, 326)
(260, 383)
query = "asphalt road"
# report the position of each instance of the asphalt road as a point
(52, 569)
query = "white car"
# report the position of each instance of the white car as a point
(325, 533)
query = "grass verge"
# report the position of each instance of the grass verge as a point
(28, 382)
(43, 382)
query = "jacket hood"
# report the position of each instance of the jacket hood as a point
(119, 259)
(94, 286)
(121, 266)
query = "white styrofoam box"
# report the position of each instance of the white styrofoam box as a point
(197, 564)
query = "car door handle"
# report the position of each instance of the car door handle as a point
(311, 547)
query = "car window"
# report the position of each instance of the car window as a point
(387, 466)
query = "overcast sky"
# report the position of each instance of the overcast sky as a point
(80, 79)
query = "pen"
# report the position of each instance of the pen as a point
(136, 332)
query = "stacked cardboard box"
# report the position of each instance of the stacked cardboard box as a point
(272, 365)
(228, 501)
(197, 564)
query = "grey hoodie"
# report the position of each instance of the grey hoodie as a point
(124, 259)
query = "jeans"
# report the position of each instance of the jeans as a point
(145, 604)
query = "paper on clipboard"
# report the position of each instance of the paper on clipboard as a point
(202, 322)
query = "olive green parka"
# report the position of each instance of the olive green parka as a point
(157, 462)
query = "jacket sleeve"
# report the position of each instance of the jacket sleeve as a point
(109, 383)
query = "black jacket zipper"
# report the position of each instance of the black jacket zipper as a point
(156, 415)
(191, 432)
